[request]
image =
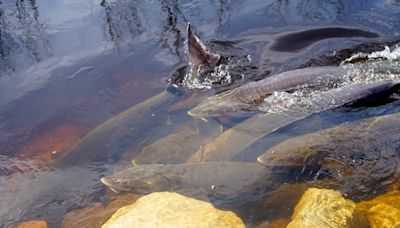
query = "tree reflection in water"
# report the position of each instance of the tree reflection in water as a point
(23, 39)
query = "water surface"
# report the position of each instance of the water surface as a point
(66, 66)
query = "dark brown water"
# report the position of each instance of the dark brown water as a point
(67, 66)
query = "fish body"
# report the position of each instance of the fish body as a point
(360, 156)
(249, 96)
(225, 180)
(115, 135)
(230, 143)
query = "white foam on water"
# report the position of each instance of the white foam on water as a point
(219, 75)
(391, 55)
(381, 65)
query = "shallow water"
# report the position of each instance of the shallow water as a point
(68, 66)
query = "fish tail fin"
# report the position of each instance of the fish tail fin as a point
(197, 51)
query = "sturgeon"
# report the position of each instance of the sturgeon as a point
(115, 135)
(226, 180)
(234, 140)
(247, 97)
(360, 156)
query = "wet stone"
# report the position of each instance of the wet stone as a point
(326, 208)
(383, 215)
(95, 215)
(382, 211)
(277, 223)
(167, 209)
(33, 224)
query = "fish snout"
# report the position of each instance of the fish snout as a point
(107, 182)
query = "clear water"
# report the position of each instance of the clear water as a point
(66, 66)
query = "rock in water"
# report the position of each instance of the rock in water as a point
(383, 211)
(326, 208)
(33, 224)
(383, 215)
(167, 209)
(97, 214)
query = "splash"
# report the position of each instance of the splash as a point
(221, 75)
(380, 65)
(390, 55)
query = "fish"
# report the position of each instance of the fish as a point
(231, 142)
(360, 156)
(178, 146)
(221, 180)
(115, 135)
(247, 97)
(200, 58)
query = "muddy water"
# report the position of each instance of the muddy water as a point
(68, 66)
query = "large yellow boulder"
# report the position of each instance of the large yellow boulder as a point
(384, 216)
(167, 209)
(326, 208)
(382, 211)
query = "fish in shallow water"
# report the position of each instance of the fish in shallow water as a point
(109, 139)
(230, 143)
(226, 180)
(249, 96)
(361, 156)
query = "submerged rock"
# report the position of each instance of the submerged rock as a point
(169, 209)
(382, 211)
(97, 214)
(33, 224)
(326, 208)
(383, 215)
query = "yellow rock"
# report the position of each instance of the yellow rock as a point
(33, 224)
(384, 216)
(382, 211)
(95, 215)
(391, 199)
(167, 209)
(326, 208)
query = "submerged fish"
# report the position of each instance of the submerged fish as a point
(249, 96)
(234, 140)
(114, 136)
(111, 138)
(226, 180)
(178, 146)
(361, 156)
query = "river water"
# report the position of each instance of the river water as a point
(67, 66)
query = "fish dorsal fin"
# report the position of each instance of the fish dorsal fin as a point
(197, 51)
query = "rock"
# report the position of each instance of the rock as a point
(95, 215)
(391, 199)
(326, 208)
(168, 209)
(277, 223)
(383, 215)
(281, 201)
(33, 224)
(382, 211)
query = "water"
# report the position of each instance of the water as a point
(68, 66)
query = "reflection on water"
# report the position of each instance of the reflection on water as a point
(23, 38)
(123, 19)
(67, 66)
